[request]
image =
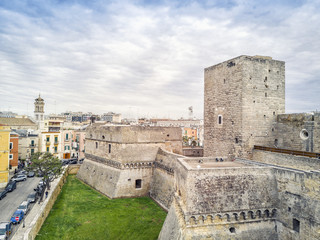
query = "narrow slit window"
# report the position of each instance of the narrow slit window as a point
(220, 119)
(296, 225)
(109, 148)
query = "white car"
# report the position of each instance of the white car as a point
(19, 178)
(24, 206)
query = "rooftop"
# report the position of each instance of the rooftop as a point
(210, 163)
(17, 122)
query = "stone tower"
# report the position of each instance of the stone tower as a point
(242, 98)
(39, 112)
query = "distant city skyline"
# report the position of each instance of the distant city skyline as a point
(146, 58)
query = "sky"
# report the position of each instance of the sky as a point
(146, 58)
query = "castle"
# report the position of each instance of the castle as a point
(259, 178)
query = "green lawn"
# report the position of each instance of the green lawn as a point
(82, 213)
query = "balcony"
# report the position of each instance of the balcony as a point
(47, 142)
(56, 142)
(32, 145)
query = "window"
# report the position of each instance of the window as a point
(32, 151)
(220, 119)
(47, 149)
(67, 136)
(237, 140)
(32, 142)
(55, 149)
(304, 134)
(10, 156)
(11, 145)
(48, 139)
(103, 137)
(138, 183)
(109, 148)
(296, 225)
(266, 95)
(97, 145)
(56, 139)
(276, 142)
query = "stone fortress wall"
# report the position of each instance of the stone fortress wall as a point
(298, 193)
(120, 160)
(236, 192)
(300, 131)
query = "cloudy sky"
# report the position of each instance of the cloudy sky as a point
(146, 58)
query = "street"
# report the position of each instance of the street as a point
(10, 203)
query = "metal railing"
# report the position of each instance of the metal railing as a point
(288, 151)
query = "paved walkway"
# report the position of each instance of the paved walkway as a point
(31, 218)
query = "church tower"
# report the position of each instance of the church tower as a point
(39, 112)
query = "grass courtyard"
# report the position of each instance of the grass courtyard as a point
(80, 212)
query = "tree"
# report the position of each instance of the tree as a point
(46, 165)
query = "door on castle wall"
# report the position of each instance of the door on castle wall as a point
(66, 155)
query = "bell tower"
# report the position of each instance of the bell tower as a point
(39, 111)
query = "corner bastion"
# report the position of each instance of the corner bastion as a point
(221, 200)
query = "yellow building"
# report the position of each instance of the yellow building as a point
(4, 154)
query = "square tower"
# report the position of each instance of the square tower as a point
(242, 98)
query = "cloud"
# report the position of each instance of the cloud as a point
(147, 55)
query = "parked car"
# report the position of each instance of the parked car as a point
(32, 197)
(12, 185)
(73, 161)
(40, 187)
(25, 207)
(17, 216)
(5, 230)
(65, 162)
(31, 174)
(81, 160)
(3, 193)
(23, 172)
(19, 178)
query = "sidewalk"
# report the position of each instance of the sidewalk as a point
(37, 211)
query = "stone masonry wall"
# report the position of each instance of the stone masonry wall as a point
(128, 144)
(222, 97)
(286, 160)
(114, 182)
(263, 98)
(125, 143)
(299, 201)
(99, 176)
(162, 183)
(246, 93)
(298, 214)
(230, 189)
(299, 132)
